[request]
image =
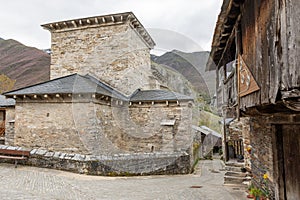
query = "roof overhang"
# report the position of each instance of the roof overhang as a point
(226, 21)
(103, 20)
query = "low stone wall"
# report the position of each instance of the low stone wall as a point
(116, 165)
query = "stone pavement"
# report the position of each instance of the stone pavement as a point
(37, 183)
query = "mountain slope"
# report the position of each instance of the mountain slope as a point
(178, 70)
(192, 67)
(26, 65)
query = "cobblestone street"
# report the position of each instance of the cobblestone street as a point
(37, 183)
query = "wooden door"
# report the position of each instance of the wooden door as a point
(291, 161)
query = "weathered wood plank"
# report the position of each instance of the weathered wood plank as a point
(293, 36)
(291, 149)
(14, 152)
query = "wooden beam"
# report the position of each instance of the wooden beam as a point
(88, 21)
(229, 41)
(74, 23)
(103, 20)
(112, 18)
(96, 20)
(66, 25)
(80, 22)
(290, 94)
(58, 26)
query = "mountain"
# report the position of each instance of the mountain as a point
(179, 71)
(26, 65)
(192, 67)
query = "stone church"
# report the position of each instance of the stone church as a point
(101, 98)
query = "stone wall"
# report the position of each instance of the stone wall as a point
(118, 164)
(10, 125)
(115, 54)
(98, 127)
(48, 125)
(246, 142)
(262, 151)
(144, 128)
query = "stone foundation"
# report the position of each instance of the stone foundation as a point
(116, 165)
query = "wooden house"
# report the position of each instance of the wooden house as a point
(256, 55)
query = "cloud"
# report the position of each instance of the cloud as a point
(194, 19)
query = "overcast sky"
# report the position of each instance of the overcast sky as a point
(185, 25)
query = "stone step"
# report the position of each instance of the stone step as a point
(235, 174)
(234, 164)
(234, 180)
(233, 169)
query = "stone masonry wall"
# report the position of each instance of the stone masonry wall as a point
(94, 127)
(10, 126)
(139, 127)
(114, 54)
(47, 125)
(262, 151)
(118, 164)
(246, 141)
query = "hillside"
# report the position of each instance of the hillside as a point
(26, 65)
(181, 72)
(192, 67)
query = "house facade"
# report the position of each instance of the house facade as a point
(255, 53)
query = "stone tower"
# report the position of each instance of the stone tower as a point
(113, 48)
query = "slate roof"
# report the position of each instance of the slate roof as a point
(74, 83)
(78, 84)
(6, 102)
(157, 95)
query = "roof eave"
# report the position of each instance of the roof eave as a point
(103, 20)
(216, 47)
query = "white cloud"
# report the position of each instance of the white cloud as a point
(193, 19)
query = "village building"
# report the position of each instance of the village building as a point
(102, 99)
(208, 140)
(5, 105)
(255, 53)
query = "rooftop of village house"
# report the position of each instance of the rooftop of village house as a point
(78, 84)
(226, 21)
